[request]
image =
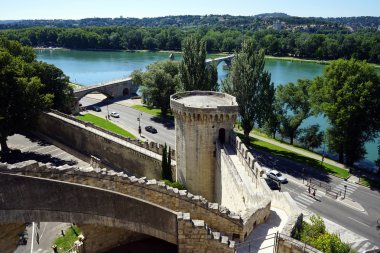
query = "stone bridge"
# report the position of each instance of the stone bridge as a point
(114, 88)
(227, 59)
(125, 86)
(31, 191)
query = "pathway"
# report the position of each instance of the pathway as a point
(297, 150)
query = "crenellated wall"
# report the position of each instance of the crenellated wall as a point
(156, 192)
(279, 200)
(68, 194)
(111, 150)
(148, 145)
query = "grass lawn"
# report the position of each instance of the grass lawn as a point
(263, 134)
(152, 111)
(369, 182)
(65, 242)
(103, 123)
(296, 157)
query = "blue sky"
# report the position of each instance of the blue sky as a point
(77, 9)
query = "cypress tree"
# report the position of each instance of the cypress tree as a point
(169, 167)
(164, 163)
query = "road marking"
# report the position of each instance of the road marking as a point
(359, 222)
(31, 245)
(42, 232)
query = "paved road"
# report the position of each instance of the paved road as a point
(47, 232)
(128, 120)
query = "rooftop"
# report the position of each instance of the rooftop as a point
(204, 99)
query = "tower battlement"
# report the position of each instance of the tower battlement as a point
(201, 119)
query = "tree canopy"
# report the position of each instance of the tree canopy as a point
(295, 105)
(348, 94)
(157, 84)
(195, 74)
(27, 87)
(251, 85)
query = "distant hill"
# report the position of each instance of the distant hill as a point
(273, 15)
(261, 21)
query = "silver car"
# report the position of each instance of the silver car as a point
(115, 114)
(277, 176)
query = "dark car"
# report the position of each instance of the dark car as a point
(273, 185)
(151, 129)
(96, 108)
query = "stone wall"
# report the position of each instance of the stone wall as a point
(101, 238)
(194, 236)
(232, 192)
(25, 199)
(53, 200)
(153, 191)
(148, 145)
(287, 244)
(111, 150)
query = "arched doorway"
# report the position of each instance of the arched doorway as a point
(126, 91)
(222, 135)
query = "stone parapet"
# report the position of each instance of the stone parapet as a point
(287, 244)
(149, 145)
(195, 236)
(152, 191)
(224, 111)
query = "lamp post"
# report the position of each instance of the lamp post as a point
(108, 113)
(345, 188)
(303, 175)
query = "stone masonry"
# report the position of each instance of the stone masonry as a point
(201, 119)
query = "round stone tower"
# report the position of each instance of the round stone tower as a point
(201, 119)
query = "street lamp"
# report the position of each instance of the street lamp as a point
(108, 113)
(345, 188)
(303, 175)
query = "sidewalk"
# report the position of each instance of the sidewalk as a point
(298, 150)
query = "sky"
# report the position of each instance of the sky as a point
(78, 9)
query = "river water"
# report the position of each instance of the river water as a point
(93, 67)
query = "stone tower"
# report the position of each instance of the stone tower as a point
(201, 119)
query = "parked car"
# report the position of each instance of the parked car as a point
(277, 176)
(273, 185)
(96, 108)
(151, 129)
(115, 114)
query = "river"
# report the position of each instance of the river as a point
(93, 67)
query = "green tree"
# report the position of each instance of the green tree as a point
(164, 162)
(158, 83)
(169, 166)
(251, 85)
(25, 89)
(166, 172)
(294, 101)
(272, 122)
(315, 235)
(194, 73)
(348, 94)
(20, 100)
(311, 137)
(55, 82)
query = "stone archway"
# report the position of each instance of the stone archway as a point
(125, 91)
(222, 135)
